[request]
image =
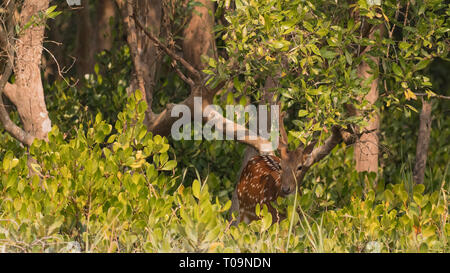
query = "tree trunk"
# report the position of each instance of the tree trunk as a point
(27, 92)
(105, 10)
(198, 41)
(85, 41)
(366, 149)
(94, 33)
(144, 53)
(199, 35)
(423, 141)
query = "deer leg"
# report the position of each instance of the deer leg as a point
(276, 215)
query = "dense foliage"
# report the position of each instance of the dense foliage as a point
(103, 183)
(102, 192)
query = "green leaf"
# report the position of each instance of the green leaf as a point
(302, 113)
(327, 54)
(227, 206)
(164, 148)
(322, 32)
(266, 221)
(96, 68)
(7, 160)
(404, 45)
(282, 45)
(55, 225)
(51, 9)
(314, 49)
(412, 108)
(36, 167)
(319, 190)
(417, 198)
(388, 196)
(422, 64)
(212, 235)
(237, 84)
(170, 165)
(348, 57)
(397, 70)
(420, 188)
(196, 188)
(111, 139)
(163, 158)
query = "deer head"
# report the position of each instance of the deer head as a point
(292, 162)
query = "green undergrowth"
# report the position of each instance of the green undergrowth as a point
(118, 189)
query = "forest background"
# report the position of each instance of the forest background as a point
(88, 163)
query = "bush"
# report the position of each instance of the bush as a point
(121, 192)
(89, 189)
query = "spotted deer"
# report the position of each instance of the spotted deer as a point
(265, 177)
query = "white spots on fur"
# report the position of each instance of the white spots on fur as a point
(256, 185)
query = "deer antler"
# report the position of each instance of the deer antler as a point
(284, 137)
(283, 145)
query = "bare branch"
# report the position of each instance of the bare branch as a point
(432, 96)
(181, 75)
(338, 135)
(320, 152)
(169, 52)
(230, 127)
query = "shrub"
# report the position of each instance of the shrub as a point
(117, 189)
(96, 188)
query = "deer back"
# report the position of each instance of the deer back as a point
(260, 183)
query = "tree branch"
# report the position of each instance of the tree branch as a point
(433, 96)
(5, 119)
(169, 52)
(161, 123)
(230, 127)
(338, 135)
(180, 74)
(320, 152)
